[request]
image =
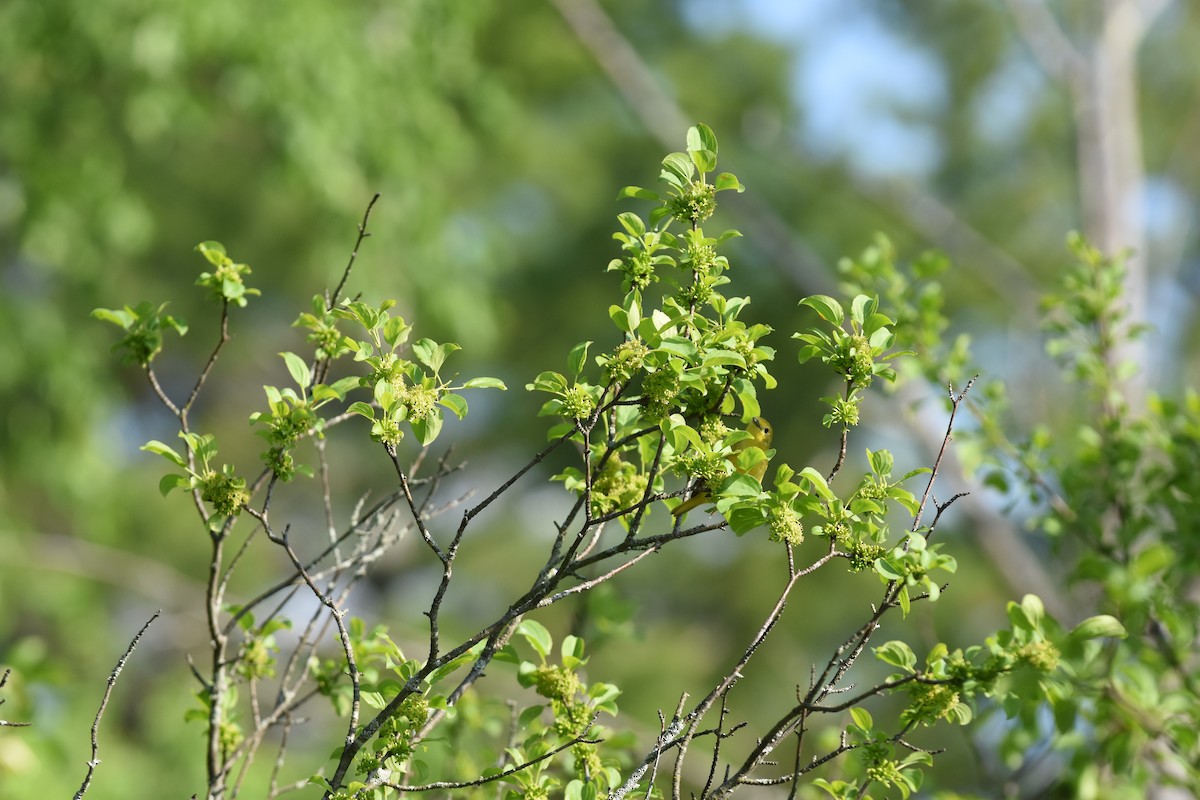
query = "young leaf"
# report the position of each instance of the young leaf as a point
(428, 427)
(172, 481)
(577, 358)
(859, 308)
(455, 403)
(485, 383)
(538, 637)
(432, 354)
(395, 331)
(214, 252)
(298, 368)
(727, 180)
(362, 409)
(680, 166)
(637, 191)
(862, 718)
(155, 446)
(818, 483)
(898, 654)
(1102, 625)
(705, 160)
(701, 137)
(829, 309)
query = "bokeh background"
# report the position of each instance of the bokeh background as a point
(498, 134)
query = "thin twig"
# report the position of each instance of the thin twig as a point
(332, 299)
(955, 402)
(6, 723)
(426, 787)
(94, 761)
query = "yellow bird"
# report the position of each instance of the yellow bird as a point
(760, 436)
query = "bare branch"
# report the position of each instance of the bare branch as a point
(5, 723)
(1049, 42)
(332, 299)
(94, 761)
(426, 787)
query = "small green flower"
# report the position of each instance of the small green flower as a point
(661, 390)
(855, 360)
(556, 683)
(696, 204)
(785, 526)
(862, 555)
(225, 491)
(618, 485)
(420, 400)
(1042, 656)
(713, 430)
(626, 361)
(639, 270)
(577, 403)
(933, 701)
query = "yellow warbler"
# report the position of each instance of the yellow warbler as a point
(760, 436)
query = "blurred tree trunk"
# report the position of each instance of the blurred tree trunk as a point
(1101, 76)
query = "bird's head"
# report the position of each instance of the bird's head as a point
(761, 430)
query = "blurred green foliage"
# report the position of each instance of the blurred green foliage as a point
(132, 129)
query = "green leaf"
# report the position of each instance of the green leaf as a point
(638, 192)
(818, 483)
(298, 368)
(898, 654)
(362, 409)
(718, 358)
(538, 637)
(395, 331)
(744, 518)
(680, 165)
(214, 252)
(739, 485)
(862, 718)
(455, 403)
(889, 569)
(155, 446)
(632, 223)
(1152, 560)
(528, 716)
(620, 318)
(172, 481)
(829, 309)
(1027, 615)
(679, 346)
(120, 317)
(428, 427)
(705, 160)
(432, 354)
(549, 381)
(860, 306)
(572, 648)
(881, 339)
(727, 180)
(577, 358)
(344, 385)
(485, 383)
(1102, 625)
(881, 462)
(701, 137)
(603, 692)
